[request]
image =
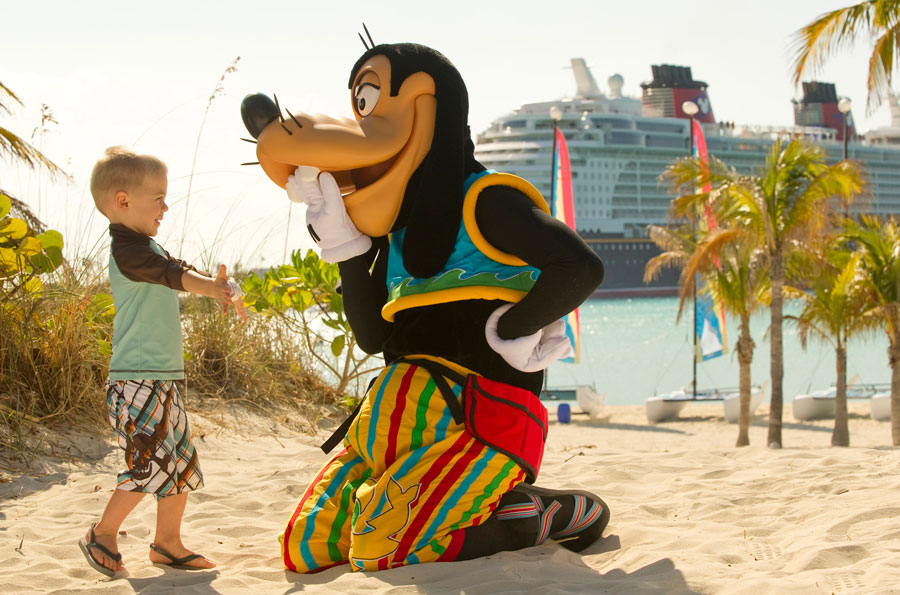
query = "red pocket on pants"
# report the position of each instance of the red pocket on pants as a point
(507, 418)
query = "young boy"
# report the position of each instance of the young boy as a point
(144, 403)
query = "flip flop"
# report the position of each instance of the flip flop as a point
(179, 563)
(95, 564)
(589, 517)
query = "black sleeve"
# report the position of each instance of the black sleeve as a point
(364, 288)
(570, 270)
(138, 262)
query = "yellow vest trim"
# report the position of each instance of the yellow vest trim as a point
(450, 295)
(469, 213)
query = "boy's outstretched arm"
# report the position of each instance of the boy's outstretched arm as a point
(137, 261)
(221, 288)
(214, 287)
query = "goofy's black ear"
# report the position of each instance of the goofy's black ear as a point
(435, 190)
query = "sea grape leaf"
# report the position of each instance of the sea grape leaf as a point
(51, 239)
(8, 261)
(34, 286)
(13, 228)
(337, 345)
(30, 246)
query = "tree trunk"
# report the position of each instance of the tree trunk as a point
(841, 434)
(777, 353)
(745, 358)
(894, 354)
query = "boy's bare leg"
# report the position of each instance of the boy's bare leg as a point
(106, 531)
(169, 511)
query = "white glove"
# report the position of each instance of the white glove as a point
(326, 216)
(531, 352)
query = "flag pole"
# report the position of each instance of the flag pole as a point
(556, 116)
(690, 108)
(695, 281)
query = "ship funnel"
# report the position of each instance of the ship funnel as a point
(672, 86)
(615, 84)
(819, 108)
(586, 86)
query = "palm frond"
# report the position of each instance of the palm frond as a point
(6, 91)
(27, 154)
(832, 31)
(675, 246)
(881, 64)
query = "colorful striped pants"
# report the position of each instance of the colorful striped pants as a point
(406, 485)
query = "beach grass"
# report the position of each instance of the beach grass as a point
(258, 363)
(54, 356)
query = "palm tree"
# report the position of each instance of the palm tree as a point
(879, 242)
(834, 309)
(835, 30)
(791, 200)
(19, 149)
(739, 283)
(724, 257)
(727, 263)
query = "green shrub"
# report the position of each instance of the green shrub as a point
(303, 296)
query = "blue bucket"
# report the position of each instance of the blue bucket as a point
(563, 413)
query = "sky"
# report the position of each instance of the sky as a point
(142, 74)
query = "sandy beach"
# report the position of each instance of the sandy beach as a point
(690, 514)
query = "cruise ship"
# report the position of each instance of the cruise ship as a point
(620, 145)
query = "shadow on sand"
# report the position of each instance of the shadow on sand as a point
(547, 567)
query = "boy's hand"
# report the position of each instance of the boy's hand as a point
(229, 292)
(221, 290)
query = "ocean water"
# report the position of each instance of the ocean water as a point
(633, 348)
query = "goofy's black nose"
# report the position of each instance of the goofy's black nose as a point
(257, 112)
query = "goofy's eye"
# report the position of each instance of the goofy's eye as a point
(365, 98)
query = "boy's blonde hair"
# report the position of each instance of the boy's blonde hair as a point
(121, 168)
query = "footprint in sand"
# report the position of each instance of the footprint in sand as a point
(842, 582)
(765, 551)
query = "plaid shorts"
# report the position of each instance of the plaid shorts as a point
(152, 429)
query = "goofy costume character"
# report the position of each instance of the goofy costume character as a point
(460, 277)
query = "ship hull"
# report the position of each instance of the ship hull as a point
(624, 261)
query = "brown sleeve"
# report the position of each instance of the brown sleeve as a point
(138, 262)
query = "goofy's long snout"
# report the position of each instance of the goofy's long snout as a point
(257, 112)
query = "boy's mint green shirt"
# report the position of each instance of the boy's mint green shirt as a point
(147, 341)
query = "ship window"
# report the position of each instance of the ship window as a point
(625, 138)
(674, 142)
(611, 122)
(677, 127)
(516, 123)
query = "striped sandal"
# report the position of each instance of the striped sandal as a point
(590, 515)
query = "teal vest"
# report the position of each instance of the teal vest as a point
(475, 269)
(147, 342)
